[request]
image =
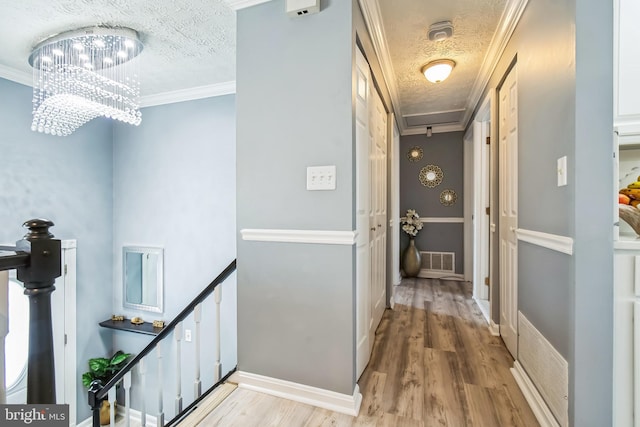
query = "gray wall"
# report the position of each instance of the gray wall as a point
(565, 108)
(446, 151)
(295, 109)
(68, 180)
(592, 175)
(174, 187)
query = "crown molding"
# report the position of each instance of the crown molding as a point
(199, 92)
(506, 26)
(373, 20)
(16, 75)
(241, 4)
(421, 130)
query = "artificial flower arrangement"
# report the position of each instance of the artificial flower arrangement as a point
(411, 223)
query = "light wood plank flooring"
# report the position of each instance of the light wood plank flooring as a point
(434, 363)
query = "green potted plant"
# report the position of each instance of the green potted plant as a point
(101, 370)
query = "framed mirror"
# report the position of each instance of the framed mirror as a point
(142, 278)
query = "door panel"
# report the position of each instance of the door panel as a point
(363, 256)
(508, 195)
(378, 219)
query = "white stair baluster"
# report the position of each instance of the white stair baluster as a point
(160, 417)
(143, 410)
(127, 398)
(197, 316)
(218, 366)
(177, 333)
(111, 396)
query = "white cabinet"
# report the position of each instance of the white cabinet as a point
(626, 359)
(627, 66)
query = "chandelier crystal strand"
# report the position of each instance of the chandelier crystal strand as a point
(84, 74)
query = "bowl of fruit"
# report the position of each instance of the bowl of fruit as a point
(629, 205)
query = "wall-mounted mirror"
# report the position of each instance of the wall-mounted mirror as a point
(142, 278)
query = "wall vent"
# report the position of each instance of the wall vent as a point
(546, 368)
(439, 262)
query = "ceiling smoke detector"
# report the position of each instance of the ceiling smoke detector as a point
(440, 31)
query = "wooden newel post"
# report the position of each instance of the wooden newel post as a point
(38, 278)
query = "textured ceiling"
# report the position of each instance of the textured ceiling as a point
(188, 43)
(191, 43)
(406, 24)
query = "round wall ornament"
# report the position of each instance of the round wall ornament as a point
(448, 197)
(431, 176)
(415, 154)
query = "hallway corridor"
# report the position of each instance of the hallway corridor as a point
(434, 363)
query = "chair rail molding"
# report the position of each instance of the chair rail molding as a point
(323, 237)
(550, 241)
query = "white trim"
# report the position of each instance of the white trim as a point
(134, 415)
(16, 75)
(241, 4)
(432, 274)
(441, 220)
(190, 94)
(550, 241)
(373, 20)
(508, 22)
(321, 398)
(323, 237)
(421, 130)
(536, 402)
(494, 328)
(485, 312)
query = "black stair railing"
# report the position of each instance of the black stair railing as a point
(98, 394)
(37, 258)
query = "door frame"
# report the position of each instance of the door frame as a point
(484, 126)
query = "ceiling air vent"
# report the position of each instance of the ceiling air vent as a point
(302, 7)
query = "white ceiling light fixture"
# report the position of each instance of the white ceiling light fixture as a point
(83, 74)
(438, 71)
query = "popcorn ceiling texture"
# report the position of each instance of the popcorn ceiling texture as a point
(188, 43)
(406, 25)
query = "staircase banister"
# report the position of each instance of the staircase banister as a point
(165, 331)
(17, 260)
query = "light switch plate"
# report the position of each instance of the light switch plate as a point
(321, 178)
(562, 171)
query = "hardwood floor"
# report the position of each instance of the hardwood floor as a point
(434, 363)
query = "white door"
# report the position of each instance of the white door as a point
(363, 307)
(508, 195)
(378, 209)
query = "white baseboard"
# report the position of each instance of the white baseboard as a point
(135, 416)
(337, 402)
(430, 274)
(536, 402)
(483, 310)
(494, 328)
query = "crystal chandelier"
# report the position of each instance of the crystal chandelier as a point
(83, 74)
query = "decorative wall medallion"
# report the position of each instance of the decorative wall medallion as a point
(448, 197)
(431, 176)
(415, 154)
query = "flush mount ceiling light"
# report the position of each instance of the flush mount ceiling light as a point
(437, 71)
(83, 74)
